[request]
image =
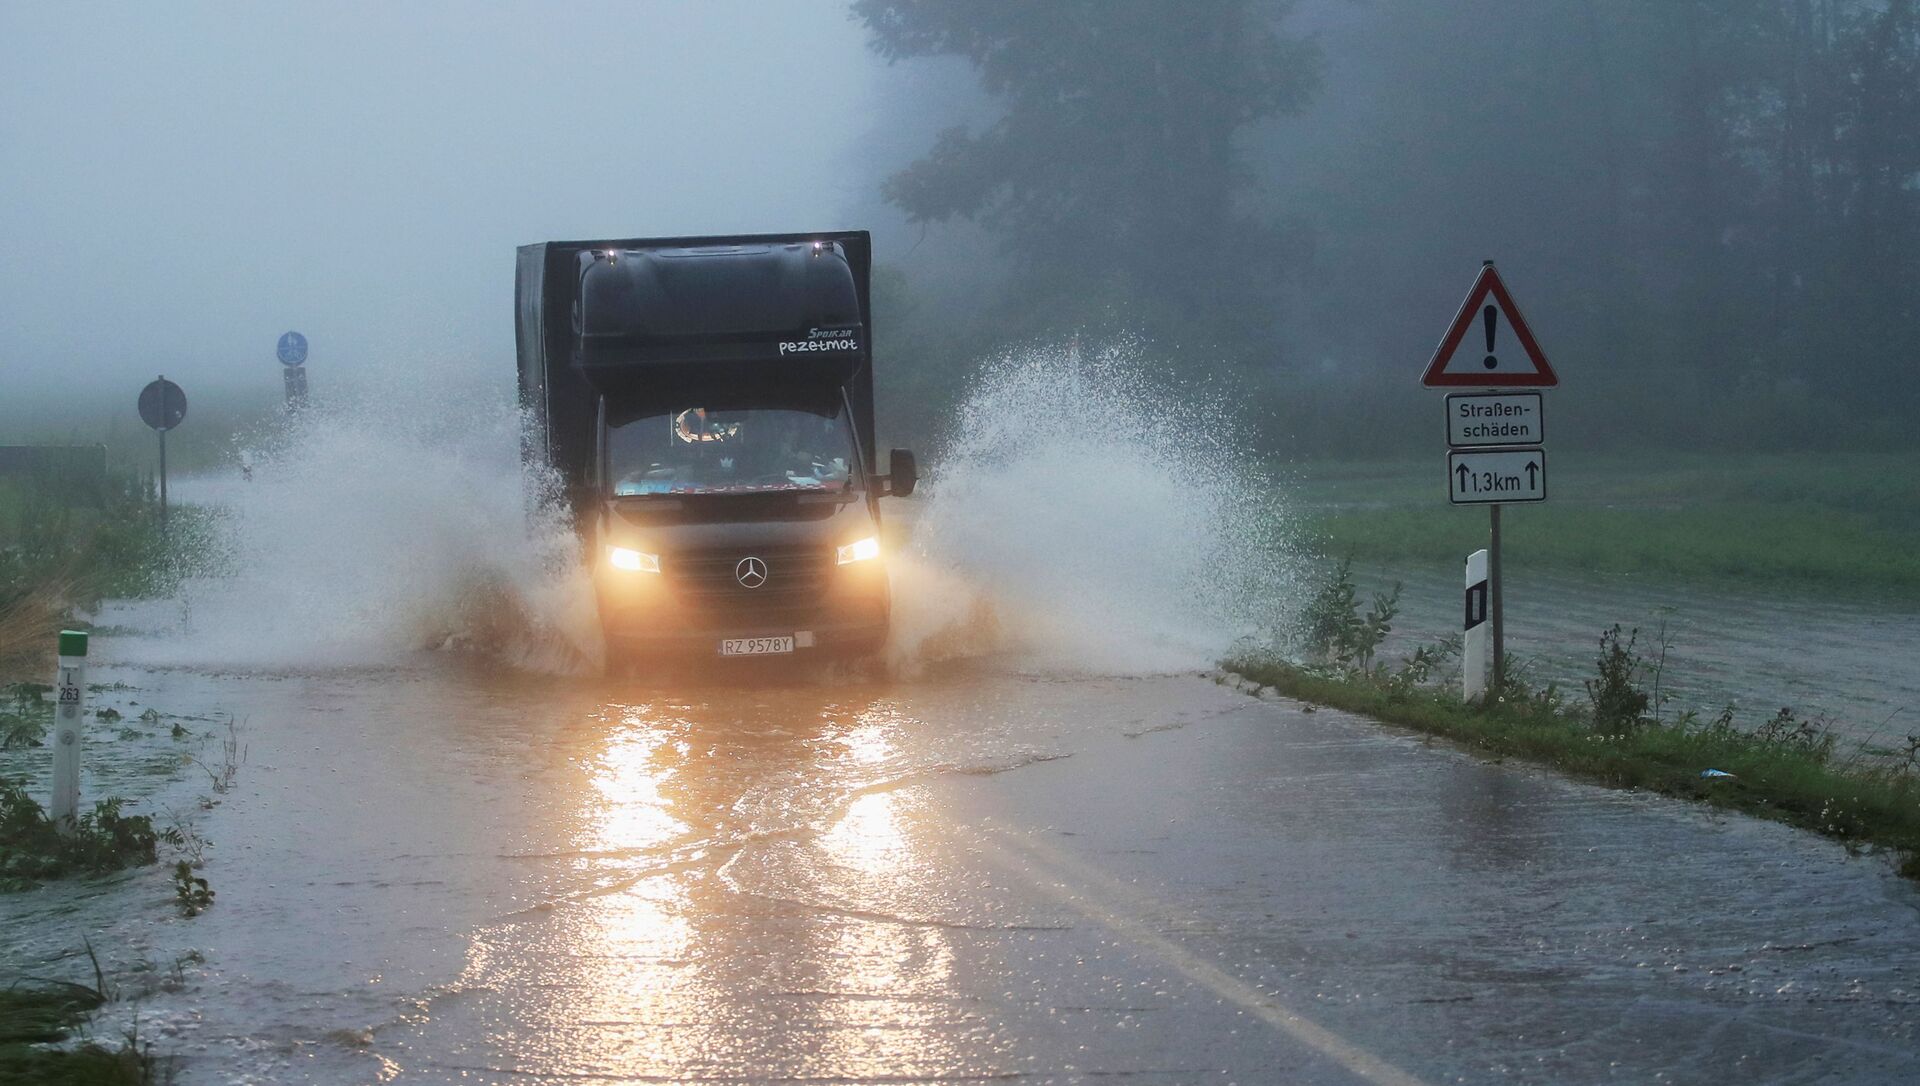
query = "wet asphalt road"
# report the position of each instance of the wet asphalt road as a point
(451, 874)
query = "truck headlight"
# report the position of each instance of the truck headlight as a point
(861, 551)
(633, 561)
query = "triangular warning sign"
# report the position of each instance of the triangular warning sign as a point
(1489, 344)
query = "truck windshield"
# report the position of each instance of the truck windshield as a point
(700, 450)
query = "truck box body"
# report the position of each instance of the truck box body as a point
(670, 383)
(667, 312)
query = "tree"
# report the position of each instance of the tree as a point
(1112, 177)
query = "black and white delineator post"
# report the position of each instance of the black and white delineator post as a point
(1473, 648)
(69, 716)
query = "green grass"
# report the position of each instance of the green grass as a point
(1816, 519)
(63, 547)
(47, 1013)
(105, 542)
(1788, 781)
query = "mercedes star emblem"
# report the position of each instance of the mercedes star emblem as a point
(750, 572)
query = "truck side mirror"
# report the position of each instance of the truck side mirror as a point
(906, 473)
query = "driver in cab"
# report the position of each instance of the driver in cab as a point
(753, 450)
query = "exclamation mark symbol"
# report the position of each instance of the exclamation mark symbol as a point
(1487, 318)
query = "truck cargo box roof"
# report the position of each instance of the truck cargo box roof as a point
(647, 316)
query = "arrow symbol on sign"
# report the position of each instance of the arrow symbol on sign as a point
(1533, 476)
(1462, 470)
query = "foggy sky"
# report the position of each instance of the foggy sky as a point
(183, 183)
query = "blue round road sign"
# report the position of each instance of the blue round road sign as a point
(293, 349)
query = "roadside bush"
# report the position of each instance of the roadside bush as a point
(1333, 629)
(24, 720)
(1426, 662)
(1787, 730)
(1619, 705)
(1329, 613)
(32, 848)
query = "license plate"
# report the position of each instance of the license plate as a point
(756, 646)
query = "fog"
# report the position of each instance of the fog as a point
(1709, 211)
(186, 182)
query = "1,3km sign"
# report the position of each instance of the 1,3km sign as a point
(1496, 476)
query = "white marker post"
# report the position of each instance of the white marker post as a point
(70, 712)
(1473, 648)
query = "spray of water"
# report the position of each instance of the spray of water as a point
(370, 529)
(1082, 518)
(1085, 517)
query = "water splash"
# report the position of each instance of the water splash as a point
(392, 522)
(1085, 517)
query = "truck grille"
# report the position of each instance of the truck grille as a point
(797, 579)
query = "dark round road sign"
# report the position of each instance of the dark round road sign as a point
(162, 404)
(292, 349)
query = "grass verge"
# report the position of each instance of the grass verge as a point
(1780, 777)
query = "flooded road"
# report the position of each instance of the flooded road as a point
(1049, 848)
(447, 872)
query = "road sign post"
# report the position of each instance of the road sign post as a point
(1494, 437)
(296, 385)
(162, 406)
(292, 353)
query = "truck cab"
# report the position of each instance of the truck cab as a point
(705, 405)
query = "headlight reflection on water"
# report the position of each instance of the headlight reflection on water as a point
(895, 977)
(633, 816)
(751, 891)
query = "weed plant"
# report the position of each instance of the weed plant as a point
(26, 716)
(1334, 630)
(191, 892)
(33, 848)
(220, 774)
(1619, 705)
